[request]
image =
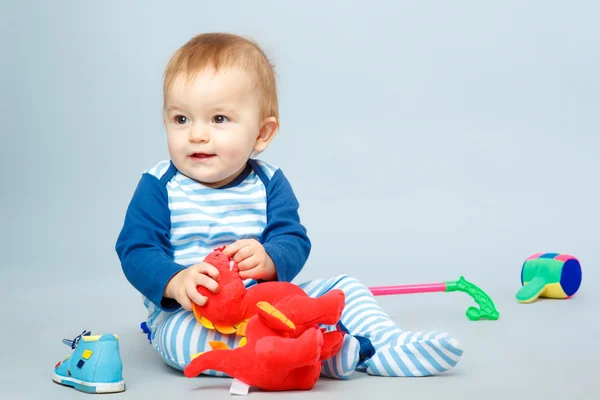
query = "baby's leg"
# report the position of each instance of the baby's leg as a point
(376, 344)
(181, 336)
(345, 362)
(414, 354)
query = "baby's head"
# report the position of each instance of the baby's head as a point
(220, 106)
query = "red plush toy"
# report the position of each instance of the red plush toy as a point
(284, 347)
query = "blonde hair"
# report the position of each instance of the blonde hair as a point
(225, 50)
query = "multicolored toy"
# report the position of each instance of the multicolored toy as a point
(549, 275)
(486, 308)
(283, 347)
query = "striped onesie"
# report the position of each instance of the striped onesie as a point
(173, 222)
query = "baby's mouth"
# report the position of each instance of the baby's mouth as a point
(201, 156)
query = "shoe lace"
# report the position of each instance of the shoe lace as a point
(73, 343)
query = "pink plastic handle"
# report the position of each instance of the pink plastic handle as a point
(408, 289)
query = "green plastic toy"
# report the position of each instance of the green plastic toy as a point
(486, 309)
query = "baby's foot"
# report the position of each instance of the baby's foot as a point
(431, 355)
(344, 362)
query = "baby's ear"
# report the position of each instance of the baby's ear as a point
(266, 134)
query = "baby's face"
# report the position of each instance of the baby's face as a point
(212, 125)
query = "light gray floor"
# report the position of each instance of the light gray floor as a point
(545, 350)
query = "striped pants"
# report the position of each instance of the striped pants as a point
(375, 344)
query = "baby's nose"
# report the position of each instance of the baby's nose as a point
(199, 134)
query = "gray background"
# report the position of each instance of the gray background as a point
(425, 140)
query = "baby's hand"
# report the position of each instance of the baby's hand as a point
(252, 260)
(183, 285)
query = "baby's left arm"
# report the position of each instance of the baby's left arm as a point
(284, 238)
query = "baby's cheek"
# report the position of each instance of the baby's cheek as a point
(234, 153)
(175, 145)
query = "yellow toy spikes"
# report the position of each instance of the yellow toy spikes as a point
(206, 323)
(226, 329)
(276, 319)
(215, 345)
(241, 329)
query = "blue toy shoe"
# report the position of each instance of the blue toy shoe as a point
(95, 366)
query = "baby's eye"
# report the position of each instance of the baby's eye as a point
(180, 119)
(219, 119)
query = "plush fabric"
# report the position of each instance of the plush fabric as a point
(284, 347)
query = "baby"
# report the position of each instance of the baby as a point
(221, 111)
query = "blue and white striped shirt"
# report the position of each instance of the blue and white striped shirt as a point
(173, 222)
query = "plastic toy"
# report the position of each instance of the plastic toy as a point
(283, 345)
(549, 275)
(486, 308)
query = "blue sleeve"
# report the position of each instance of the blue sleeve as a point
(143, 245)
(284, 238)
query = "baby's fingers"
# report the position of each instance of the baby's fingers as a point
(206, 268)
(249, 263)
(207, 282)
(240, 249)
(185, 302)
(195, 296)
(234, 247)
(254, 273)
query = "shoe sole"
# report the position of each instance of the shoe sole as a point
(89, 387)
